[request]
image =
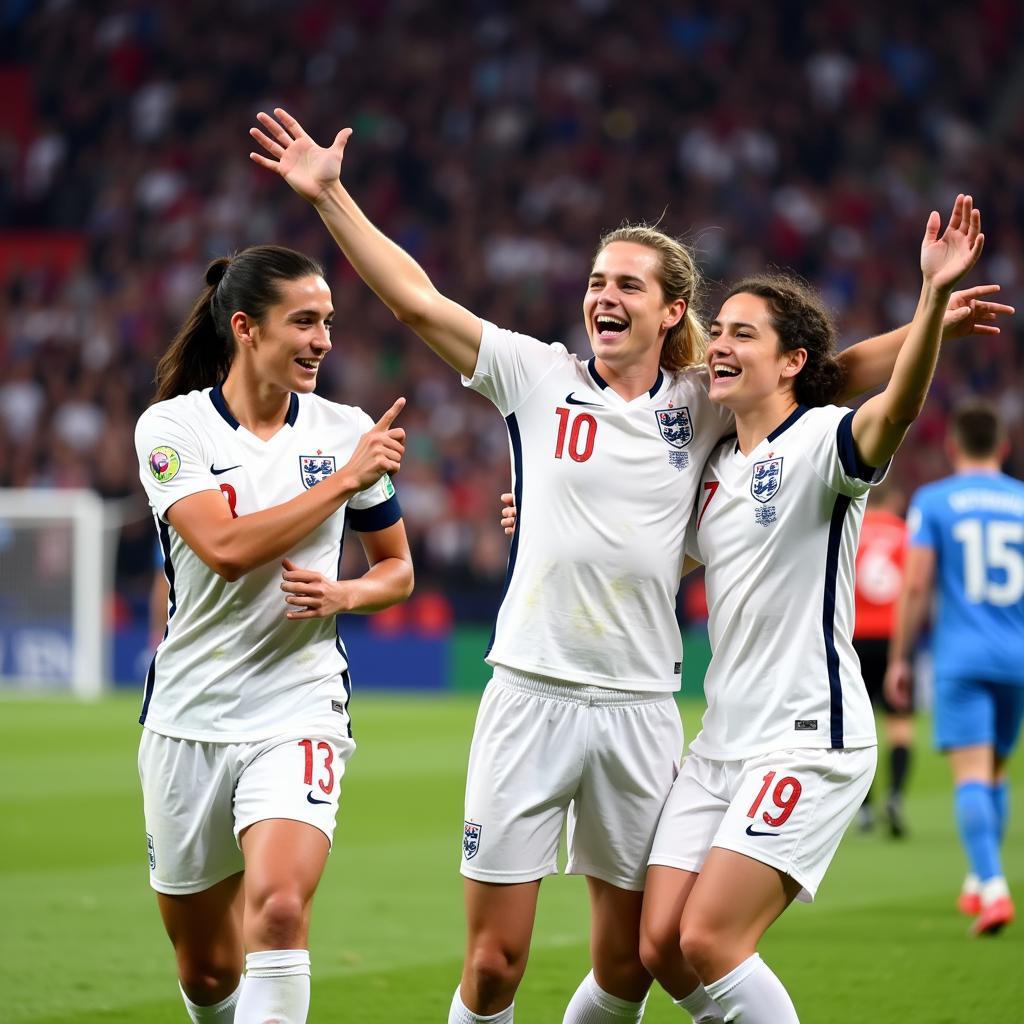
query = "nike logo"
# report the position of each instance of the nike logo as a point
(751, 831)
(313, 800)
(226, 469)
(575, 401)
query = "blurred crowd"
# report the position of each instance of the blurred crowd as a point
(495, 142)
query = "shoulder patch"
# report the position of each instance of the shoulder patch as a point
(164, 464)
(389, 487)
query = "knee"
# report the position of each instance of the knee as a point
(701, 948)
(207, 980)
(659, 950)
(496, 969)
(277, 919)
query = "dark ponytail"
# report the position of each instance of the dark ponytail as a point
(202, 351)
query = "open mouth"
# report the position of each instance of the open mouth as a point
(609, 326)
(309, 364)
(722, 371)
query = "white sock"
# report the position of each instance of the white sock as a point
(220, 1013)
(994, 888)
(972, 885)
(461, 1014)
(751, 994)
(701, 1007)
(590, 1004)
(276, 988)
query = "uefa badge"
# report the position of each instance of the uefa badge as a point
(471, 839)
(766, 479)
(675, 426)
(314, 468)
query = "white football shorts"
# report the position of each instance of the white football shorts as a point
(198, 797)
(544, 750)
(787, 809)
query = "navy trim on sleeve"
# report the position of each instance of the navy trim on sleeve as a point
(853, 464)
(380, 517)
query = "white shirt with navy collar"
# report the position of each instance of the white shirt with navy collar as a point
(231, 667)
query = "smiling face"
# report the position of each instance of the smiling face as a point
(625, 310)
(286, 348)
(747, 365)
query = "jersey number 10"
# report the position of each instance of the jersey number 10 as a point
(581, 434)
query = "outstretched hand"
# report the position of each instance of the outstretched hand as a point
(968, 313)
(945, 259)
(308, 168)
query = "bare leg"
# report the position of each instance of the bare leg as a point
(499, 927)
(664, 899)
(205, 929)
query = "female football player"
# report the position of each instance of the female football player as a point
(246, 734)
(786, 751)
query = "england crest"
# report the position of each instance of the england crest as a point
(471, 839)
(675, 425)
(766, 479)
(314, 468)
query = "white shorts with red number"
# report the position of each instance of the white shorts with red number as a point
(198, 797)
(787, 809)
(544, 751)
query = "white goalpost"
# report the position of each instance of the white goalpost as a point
(56, 576)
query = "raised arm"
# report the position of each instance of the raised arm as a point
(880, 424)
(231, 546)
(869, 363)
(314, 172)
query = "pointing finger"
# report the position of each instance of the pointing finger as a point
(389, 417)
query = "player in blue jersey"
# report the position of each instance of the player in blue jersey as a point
(967, 549)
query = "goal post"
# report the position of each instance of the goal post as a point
(56, 577)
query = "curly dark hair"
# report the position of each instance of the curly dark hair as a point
(801, 320)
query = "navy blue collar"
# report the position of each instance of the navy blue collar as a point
(787, 422)
(781, 428)
(217, 397)
(602, 383)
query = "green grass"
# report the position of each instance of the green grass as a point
(81, 940)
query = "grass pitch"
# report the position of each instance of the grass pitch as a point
(82, 942)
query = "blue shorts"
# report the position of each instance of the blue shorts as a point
(970, 712)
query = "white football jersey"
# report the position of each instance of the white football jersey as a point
(231, 667)
(604, 490)
(777, 531)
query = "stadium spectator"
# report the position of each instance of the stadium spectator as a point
(880, 554)
(119, 179)
(967, 550)
(245, 711)
(786, 750)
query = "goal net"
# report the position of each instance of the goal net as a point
(56, 576)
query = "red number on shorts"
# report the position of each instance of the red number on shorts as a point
(328, 751)
(583, 420)
(786, 802)
(229, 492)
